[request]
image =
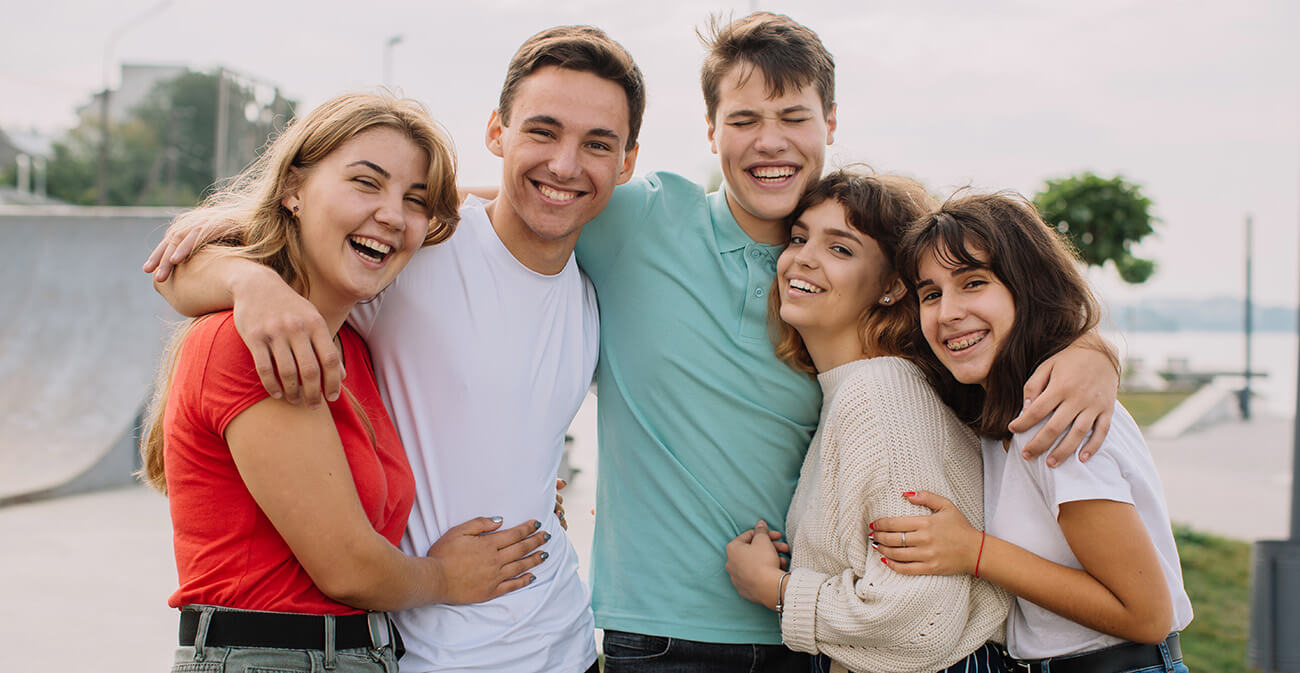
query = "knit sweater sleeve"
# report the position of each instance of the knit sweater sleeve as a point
(887, 432)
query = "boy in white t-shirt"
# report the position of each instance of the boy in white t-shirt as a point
(484, 351)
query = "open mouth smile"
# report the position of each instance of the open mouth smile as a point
(799, 286)
(371, 249)
(555, 194)
(772, 175)
(965, 341)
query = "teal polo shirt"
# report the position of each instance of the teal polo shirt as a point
(702, 430)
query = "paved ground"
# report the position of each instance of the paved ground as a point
(86, 578)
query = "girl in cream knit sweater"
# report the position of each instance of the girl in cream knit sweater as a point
(883, 431)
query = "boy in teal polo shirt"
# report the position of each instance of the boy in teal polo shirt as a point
(702, 430)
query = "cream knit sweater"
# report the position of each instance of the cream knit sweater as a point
(883, 431)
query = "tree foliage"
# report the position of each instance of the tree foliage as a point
(1103, 218)
(164, 152)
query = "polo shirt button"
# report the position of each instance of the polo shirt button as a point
(758, 292)
(756, 253)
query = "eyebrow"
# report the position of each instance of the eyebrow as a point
(844, 233)
(552, 121)
(955, 272)
(380, 170)
(755, 113)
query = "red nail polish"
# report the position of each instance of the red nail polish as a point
(884, 560)
(909, 494)
(872, 525)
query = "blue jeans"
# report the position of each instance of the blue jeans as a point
(636, 653)
(1169, 665)
(203, 658)
(987, 659)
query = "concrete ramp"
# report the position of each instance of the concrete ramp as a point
(81, 330)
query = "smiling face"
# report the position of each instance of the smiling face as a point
(770, 149)
(564, 151)
(362, 212)
(830, 274)
(967, 313)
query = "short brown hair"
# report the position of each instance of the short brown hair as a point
(581, 48)
(879, 206)
(1054, 305)
(788, 53)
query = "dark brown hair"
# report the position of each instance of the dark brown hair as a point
(788, 53)
(879, 206)
(581, 48)
(1054, 304)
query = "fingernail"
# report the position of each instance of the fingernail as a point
(545, 556)
(871, 536)
(909, 494)
(333, 397)
(1051, 462)
(872, 525)
(875, 546)
(884, 560)
(547, 536)
(532, 578)
(496, 519)
(1026, 456)
(277, 395)
(1027, 401)
(564, 482)
(1083, 457)
(537, 524)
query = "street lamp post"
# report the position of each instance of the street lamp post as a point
(388, 58)
(101, 170)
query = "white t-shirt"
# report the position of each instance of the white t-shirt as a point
(484, 363)
(1022, 501)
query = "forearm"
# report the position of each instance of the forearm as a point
(1069, 592)
(372, 574)
(210, 281)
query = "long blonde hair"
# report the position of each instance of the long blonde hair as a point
(266, 231)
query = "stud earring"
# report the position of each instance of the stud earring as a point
(886, 300)
(295, 211)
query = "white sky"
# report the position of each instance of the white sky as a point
(1197, 101)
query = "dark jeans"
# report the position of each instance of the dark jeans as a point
(987, 659)
(636, 653)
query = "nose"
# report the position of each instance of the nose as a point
(951, 308)
(771, 140)
(564, 162)
(390, 212)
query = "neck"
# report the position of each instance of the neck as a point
(545, 256)
(832, 349)
(771, 232)
(335, 311)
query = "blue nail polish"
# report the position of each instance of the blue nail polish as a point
(537, 524)
(545, 556)
(546, 536)
(496, 519)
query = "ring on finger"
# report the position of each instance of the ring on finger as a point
(904, 542)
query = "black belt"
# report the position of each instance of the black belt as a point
(284, 631)
(1122, 657)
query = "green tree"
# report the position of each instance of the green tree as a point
(1103, 218)
(164, 152)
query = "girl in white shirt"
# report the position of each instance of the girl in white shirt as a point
(1086, 549)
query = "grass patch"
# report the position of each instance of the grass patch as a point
(1216, 573)
(1147, 407)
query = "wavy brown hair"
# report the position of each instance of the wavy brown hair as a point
(879, 206)
(265, 231)
(1054, 305)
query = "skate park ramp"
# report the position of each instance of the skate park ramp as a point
(80, 338)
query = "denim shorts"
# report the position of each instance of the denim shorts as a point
(203, 658)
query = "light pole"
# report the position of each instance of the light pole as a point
(101, 172)
(388, 58)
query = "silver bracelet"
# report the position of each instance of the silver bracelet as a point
(780, 593)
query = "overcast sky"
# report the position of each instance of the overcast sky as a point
(1199, 102)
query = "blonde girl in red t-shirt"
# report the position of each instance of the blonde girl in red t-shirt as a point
(286, 516)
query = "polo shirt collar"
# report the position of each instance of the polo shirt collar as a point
(726, 230)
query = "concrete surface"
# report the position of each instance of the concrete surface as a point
(82, 333)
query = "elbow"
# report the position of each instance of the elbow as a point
(1152, 626)
(348, 588)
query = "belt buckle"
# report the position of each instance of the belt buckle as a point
(1018, 666)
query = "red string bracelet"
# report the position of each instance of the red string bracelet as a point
(980, 555)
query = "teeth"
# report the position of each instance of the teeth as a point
(805, 286)
(556, 194)
(370, 247)
(772, 172)
(966, 342)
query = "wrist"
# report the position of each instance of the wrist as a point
(246, 278)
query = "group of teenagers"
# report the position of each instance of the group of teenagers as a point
(841, 426)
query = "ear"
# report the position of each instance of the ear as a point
(292, 185)
(895, 290)
(629, 164)
(493, 137)
(830, 125)
(713, 144)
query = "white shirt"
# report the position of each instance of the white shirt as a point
(484, 363)
(1022, 500)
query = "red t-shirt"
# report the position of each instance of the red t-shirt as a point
(227, 551)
